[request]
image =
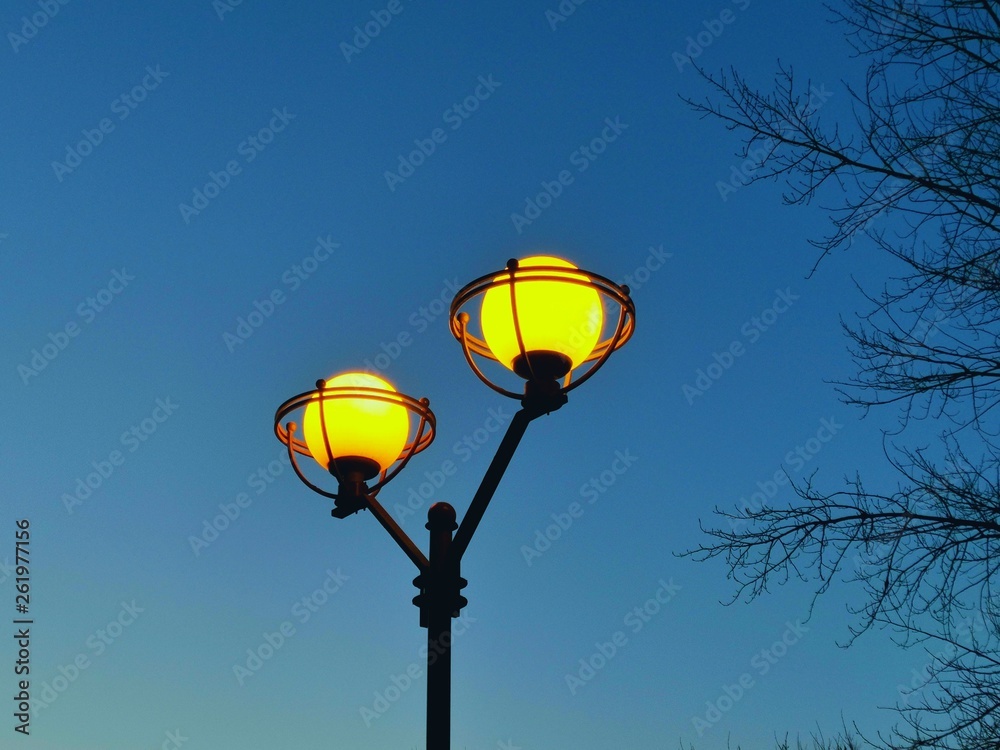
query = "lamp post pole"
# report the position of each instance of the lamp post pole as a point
(439, 606)
(564, 319)
(440, 596)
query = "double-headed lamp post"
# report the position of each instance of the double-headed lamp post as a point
(543, 319)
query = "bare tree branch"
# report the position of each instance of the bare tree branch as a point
(916, 173)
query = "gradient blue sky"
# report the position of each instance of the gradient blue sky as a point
(65, 233)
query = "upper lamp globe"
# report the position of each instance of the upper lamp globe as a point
(559, 314)
(366, 432)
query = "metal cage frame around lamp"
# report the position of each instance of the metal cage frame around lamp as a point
(352, 477)
(474, 345)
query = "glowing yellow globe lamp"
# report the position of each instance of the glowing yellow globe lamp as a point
(360, 423)
(542, 318)
(558, 313)
(357, 427)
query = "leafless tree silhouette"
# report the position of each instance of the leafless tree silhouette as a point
(917, 173)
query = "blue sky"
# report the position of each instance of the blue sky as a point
(171, 168)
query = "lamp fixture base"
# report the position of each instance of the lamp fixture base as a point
(354, 469)
(543, 396)
(352, 473)
(346, 506)
(541, 365)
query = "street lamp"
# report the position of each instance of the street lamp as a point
(541, 318)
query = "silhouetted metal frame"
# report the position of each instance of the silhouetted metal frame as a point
(439, 577)
(424, 435)
(510, 277)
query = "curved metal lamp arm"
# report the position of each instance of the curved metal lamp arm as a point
(290, 429)
(624, 314)
(491, 480)
(421, 440)
(400, 537)
(463, 337)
